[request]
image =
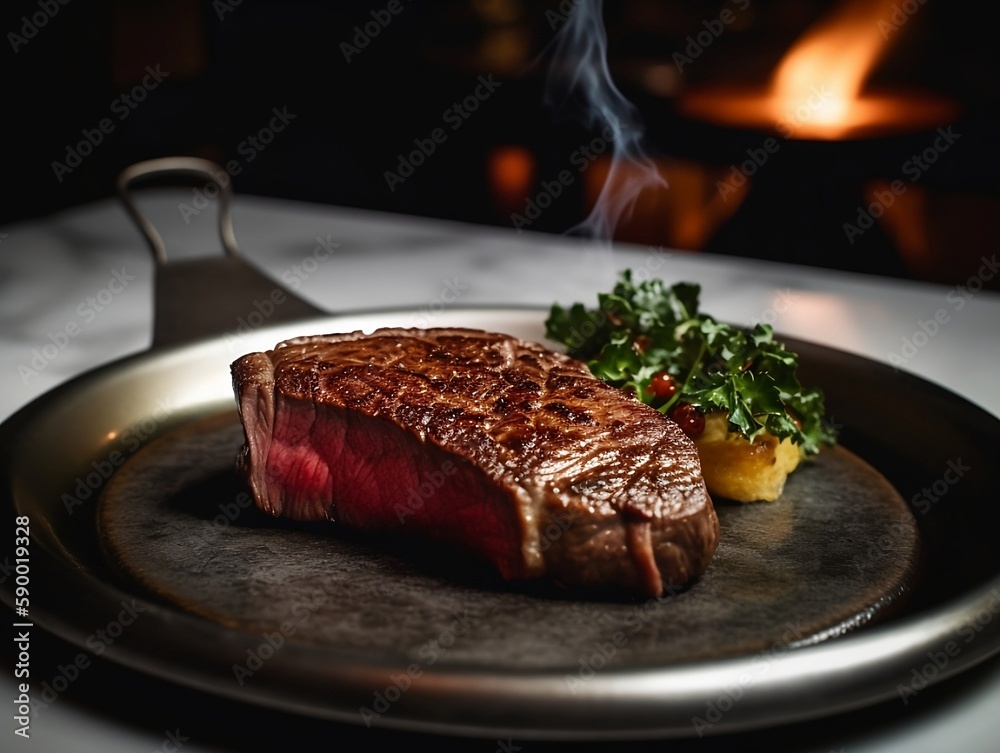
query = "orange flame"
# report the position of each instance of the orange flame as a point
(817, 85)
(818, 90)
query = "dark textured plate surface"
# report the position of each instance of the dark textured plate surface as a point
(837, 550)
(507, 672)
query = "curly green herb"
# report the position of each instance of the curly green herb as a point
(653, 341)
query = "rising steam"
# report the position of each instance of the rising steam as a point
(579, 87)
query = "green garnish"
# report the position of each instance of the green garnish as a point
(646, 330)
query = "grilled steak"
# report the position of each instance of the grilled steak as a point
(482, 442)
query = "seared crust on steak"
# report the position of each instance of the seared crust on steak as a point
(481, 441)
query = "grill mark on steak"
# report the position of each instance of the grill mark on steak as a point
(480, 441)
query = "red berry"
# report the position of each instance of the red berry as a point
(689, 418)
(662, 385)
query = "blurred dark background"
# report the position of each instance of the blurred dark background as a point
(204, 78)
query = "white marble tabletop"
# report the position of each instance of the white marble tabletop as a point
(75, 292)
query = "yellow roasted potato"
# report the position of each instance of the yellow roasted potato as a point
(741, 470)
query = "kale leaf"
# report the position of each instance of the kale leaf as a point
(640, 330)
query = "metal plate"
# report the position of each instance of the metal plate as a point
(59, 452)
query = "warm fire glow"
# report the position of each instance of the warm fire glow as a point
(818, 88)
(817, 85)
(511, 171)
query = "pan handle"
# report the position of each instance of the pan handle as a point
(199, 298)
(178, 167)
